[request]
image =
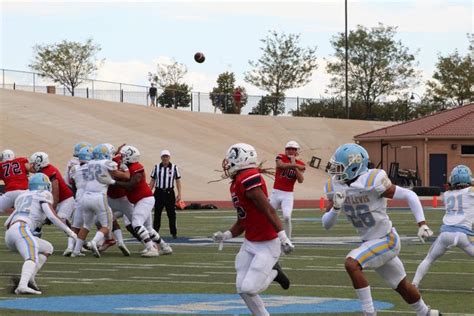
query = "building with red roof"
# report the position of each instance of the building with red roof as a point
(423, 151)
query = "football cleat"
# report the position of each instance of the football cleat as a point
(80, 254)
(124, 250)
(93, 247)
(281, 277)
(67, 252)
(433, 312)
(165, 249)
(26, 290)
(32, 285)
(107, 244)
(153, 252)
(374, 313)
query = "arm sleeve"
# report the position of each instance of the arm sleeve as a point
(381, 182)
(177, 173)
(413, 202)
(329, 219)
(54, 218)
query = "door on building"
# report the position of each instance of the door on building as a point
(438, 170)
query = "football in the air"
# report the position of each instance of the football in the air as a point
(199, 57)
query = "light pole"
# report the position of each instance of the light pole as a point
(412, 98)
(347, 57)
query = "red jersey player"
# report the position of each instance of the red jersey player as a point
(257, 261)
(63, 200)
(288, 171)
(141, 196)
(14, 173)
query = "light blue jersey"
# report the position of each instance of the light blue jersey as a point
(459, 205)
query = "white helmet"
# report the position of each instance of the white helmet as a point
(239, 156)
(7, 154)
(130, 154)
(39, 160)
(111, 149)
(292, 144)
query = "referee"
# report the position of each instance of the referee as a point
(162, 180)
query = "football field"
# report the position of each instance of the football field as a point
(175, 284)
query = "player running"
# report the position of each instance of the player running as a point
(361, 194)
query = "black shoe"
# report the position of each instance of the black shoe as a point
(281, 277)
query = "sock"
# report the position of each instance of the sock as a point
(118, 235)
(78, 246)
(255, 304)
(287, 226)
(420, 308)
(365, 298)
(70, 243)
(421, 271)
(41, 261)
(26, 272)
(98, 238)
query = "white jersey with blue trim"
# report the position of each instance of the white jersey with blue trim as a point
(74, 161)
(364, 206)
(28, 208)
(97, 169)
(79, 174)
(459, 205)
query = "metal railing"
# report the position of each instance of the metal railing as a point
(131, 93)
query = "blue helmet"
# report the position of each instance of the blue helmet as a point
(348, 162)
(78, 147)
(101, 152)
(85, 154)
(39, 181)
(461, 174)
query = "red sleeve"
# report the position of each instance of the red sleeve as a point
(279, 157)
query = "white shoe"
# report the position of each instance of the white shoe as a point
(32, 285)
(144, 251)
(124, 250)
(165, 249)
(151, 253)
(26, 290)
(370, 314)
(80, 254)
(433, 312)
(67, 252)
(93, 247)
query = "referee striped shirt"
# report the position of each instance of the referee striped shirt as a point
(164, 176)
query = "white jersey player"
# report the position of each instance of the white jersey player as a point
(360, 192)
(78, 179)
(94, 200)
(74, 161)
(457, 222)
(31, 209)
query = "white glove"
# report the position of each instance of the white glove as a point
(72, 235)
(221, 236)
(338, 200)
(105, 178)
(286, 245)
(424, 232)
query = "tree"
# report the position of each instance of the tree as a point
(222, 96)
(67, 63)
(270, 104)
(168, 74)
(453, 78)
(175, 95)
(283, 65)
(378, 65)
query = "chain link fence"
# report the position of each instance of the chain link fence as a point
(136, 94)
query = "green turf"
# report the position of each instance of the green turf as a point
(313, 270)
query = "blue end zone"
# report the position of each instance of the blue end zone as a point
(195, 304)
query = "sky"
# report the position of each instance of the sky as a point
(136, 36)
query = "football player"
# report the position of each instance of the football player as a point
(31, 209)
(94, 202)
(141, 196)
(74, 161)
(14, 173)
(63, 200)
(78, 175)
(361, 194)
(257, 261)
(457, 222)
(288, 171)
